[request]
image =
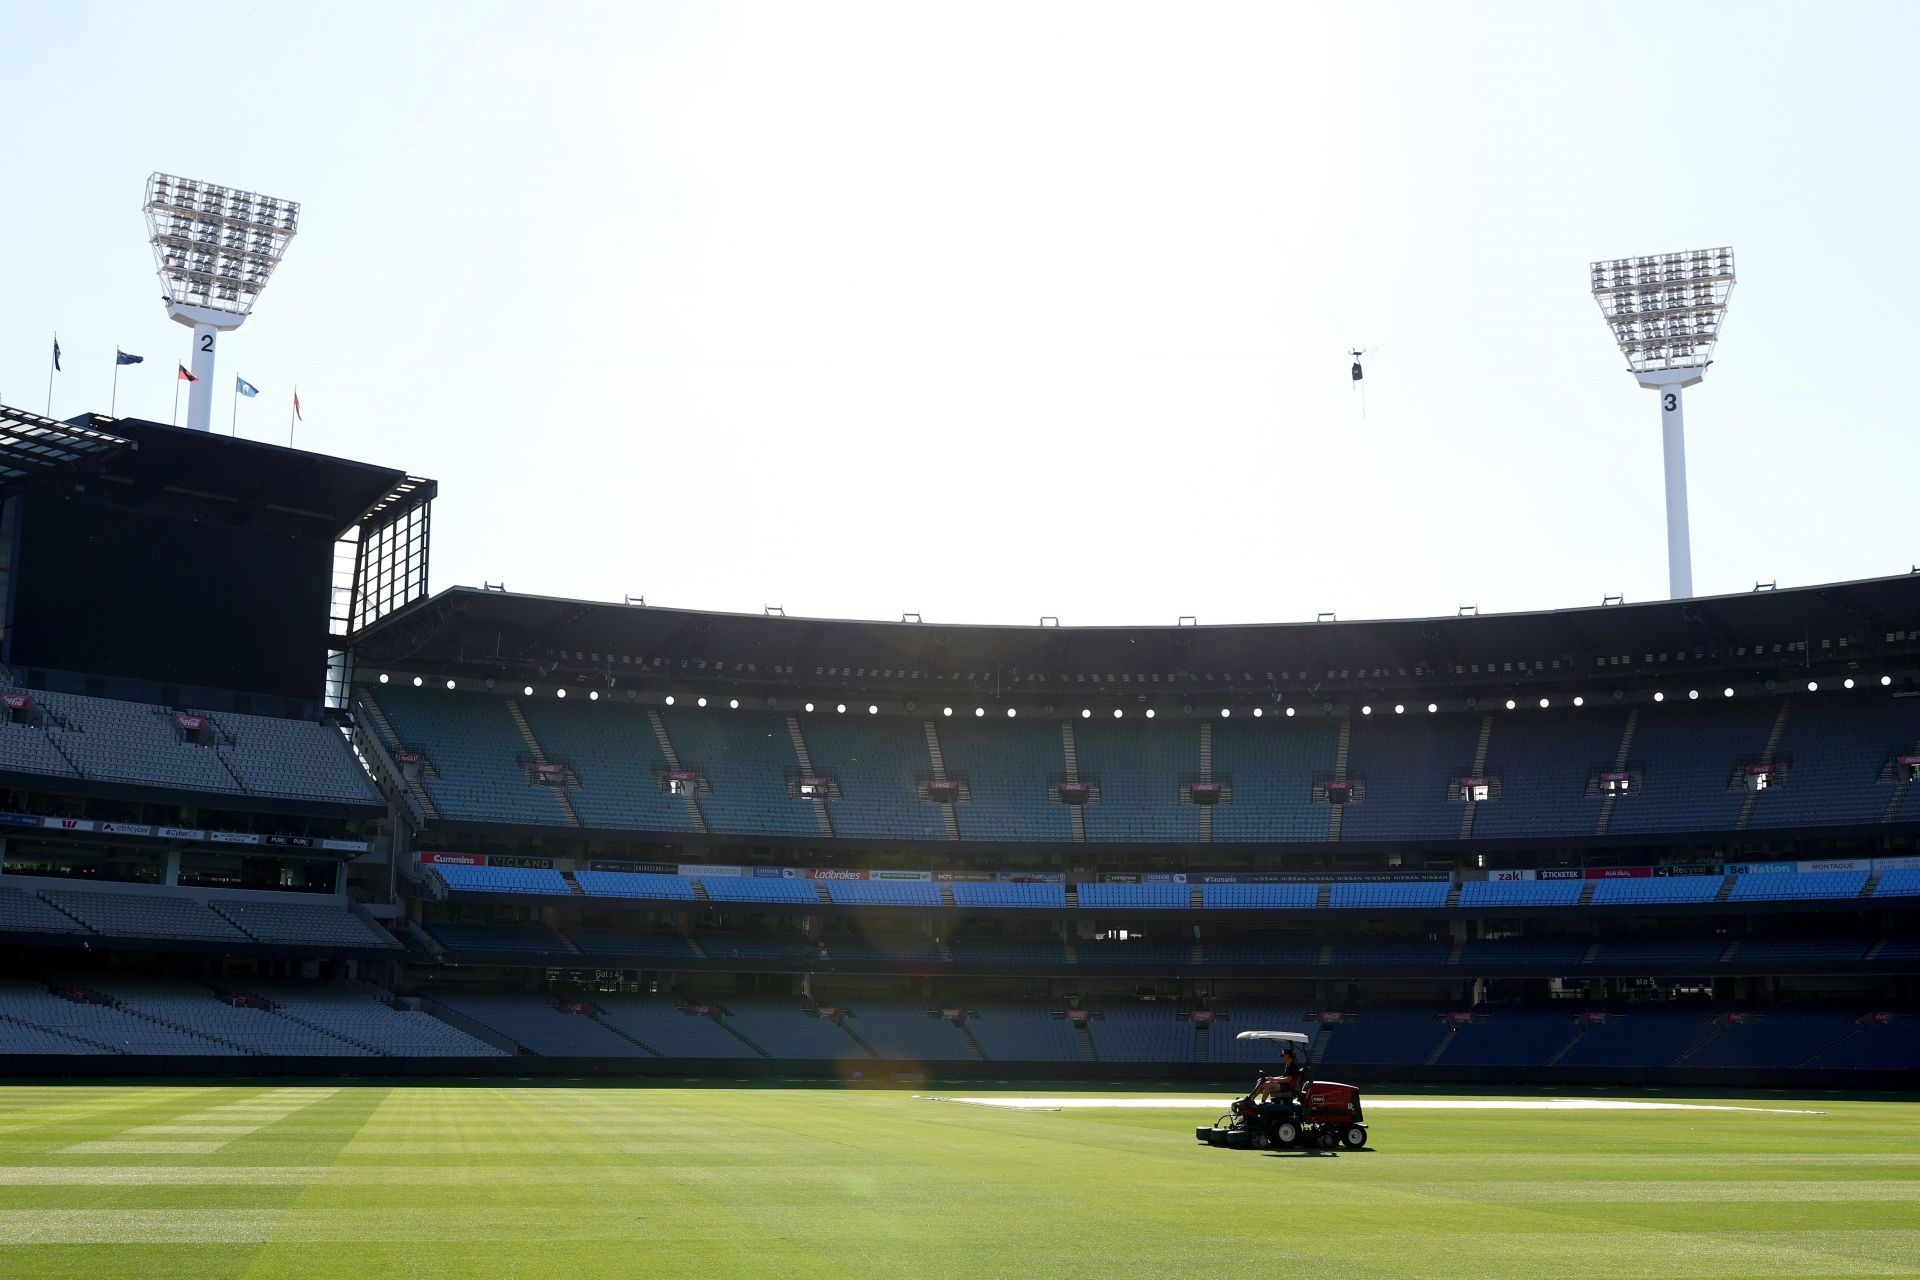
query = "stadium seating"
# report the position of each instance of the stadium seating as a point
(635, 884)
(884, 893)
(1140, 954)
(1543, 760)
(743, 945)
(1389, 895)
(1774, 887)
(1139, 769)
(465, 879)
(1800, 952)
(1837, 744)
(1028, 953)
(1650, 1036)
(1650, 889)
(1406, 762)
(1271, 765)
(1781, 1038)
(746, 757)
(1384, 1035)
(295, 758)
(540, 1025)
(106, 1028)
(1520, 893)
(878, 762)
(784, 1029)
(1901, 882)
(764, 889)
(613, 752)
(27, 913)
(1688, 750)
(1003, 895)
(1007, 765)
(1135, 897)
(196, 1008)
(1024, 1031)
(1893, 1045)
(523, 939)
(669, 1028)
(1398, 952)
(363, 1015)
(1660, 953)
(140, 915)
(1262, 949)
(1259, 897)
(475, 752)
(905, 1030)
(1233, 1017)
(1131, 1032)
(1545, 955)
(301, 924)
(653, 945)
(1508, 1038)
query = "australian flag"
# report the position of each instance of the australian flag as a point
(56, 355)
(121, 357)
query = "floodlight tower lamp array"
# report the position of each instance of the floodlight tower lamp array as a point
(215, 249)
(1665, 311)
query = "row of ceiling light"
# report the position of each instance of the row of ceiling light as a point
(1399, 708)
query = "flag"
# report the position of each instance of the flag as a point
(121, 357)
(244, 387)
(56, 354)
(185, 376)
(296, 405)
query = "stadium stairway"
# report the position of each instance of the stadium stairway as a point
(1607, 802)
(1766, 756)
(1343, 749)
(1472, 807)
(979, 1050)
(821, 818)
(947, 811)
(540, 757)
(1083, 1040)
(1075, 813)
(383, 729)
(695, 817)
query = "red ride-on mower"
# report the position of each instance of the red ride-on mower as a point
(1290, 1110)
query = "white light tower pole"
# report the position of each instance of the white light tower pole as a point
(1665, 312)
(215, 249)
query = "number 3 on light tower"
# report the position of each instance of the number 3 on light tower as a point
(1670, 402)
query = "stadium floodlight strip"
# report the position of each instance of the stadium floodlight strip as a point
(215, 249)
(1665, 311)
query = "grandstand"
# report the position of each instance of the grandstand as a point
(1654, 843)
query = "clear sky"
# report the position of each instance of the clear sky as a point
(990, 311)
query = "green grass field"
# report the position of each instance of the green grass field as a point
(117, 1181)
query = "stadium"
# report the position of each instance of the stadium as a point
(356, 920)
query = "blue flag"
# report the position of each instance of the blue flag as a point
(244, 387)
(56, 355)
(121, 357)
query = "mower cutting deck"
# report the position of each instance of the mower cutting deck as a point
(1294, 1111)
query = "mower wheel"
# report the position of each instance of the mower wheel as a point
(1286, 1133)
(1354, 1137)
(1328, 1140)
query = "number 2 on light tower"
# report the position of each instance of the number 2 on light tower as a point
(206, 345)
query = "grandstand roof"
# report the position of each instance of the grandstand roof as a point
(484, 632)
(35, 450)
(204, 474)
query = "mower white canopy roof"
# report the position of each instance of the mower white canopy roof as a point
(1294, 1036)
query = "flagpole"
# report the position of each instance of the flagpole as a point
(233, 427)
(296, 400)
(52, 364)
(113, 404)
(176, 398)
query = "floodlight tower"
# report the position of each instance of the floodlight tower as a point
(215, 248)
(1665, 312)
